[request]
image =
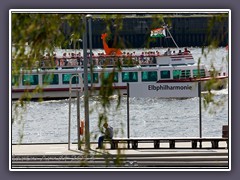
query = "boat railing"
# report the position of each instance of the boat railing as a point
(98, 67)
(123, 61)
(105, 61)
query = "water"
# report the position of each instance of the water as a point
(149, 117)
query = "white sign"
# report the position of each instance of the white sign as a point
(165, 90)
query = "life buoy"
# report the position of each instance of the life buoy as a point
(81, 128)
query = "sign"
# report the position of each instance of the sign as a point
(164, 90)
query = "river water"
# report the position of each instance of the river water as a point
(47, 121)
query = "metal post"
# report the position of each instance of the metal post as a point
(69, 116)
(78, 118)
(89, 16)
(172, 38)
(86, 105)
(200, 112)
(78, 110)
(128, 124)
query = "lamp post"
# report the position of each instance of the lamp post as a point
(89, 18)
(86, 105)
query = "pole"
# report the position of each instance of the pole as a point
(89, 16)
(86, 105)
(172, 38)
(69, 116)
(90, 38)
(128, 124)
(78, 117)
(89, 19)
(200, 112)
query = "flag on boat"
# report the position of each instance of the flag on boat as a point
(159, 32)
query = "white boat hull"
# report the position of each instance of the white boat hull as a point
(63, 93)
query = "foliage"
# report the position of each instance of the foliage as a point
(33, 36)
(214, 37)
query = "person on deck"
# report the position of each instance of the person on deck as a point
(179, 52)
(108, 134)
(186, 51)
(168, 52)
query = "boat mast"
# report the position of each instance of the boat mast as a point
(171, 36)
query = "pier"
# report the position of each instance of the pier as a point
(58, 156)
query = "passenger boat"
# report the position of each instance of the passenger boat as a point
(55, 82)
(151, 67)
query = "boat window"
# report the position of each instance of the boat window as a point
(178, 64)
(163, 64)
(50, 79)
(165, 74)
(95, 78)
(149, 76)
(15, 80)
(176, 74)
(66, 79)
(129, 76)
(107, 74)
(30, 79)
(196, 73)
(185, 74)
(181, 74)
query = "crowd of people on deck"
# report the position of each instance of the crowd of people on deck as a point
(185, 52)
(76, 59)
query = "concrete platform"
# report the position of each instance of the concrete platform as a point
(58, 156)
(42, 149)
